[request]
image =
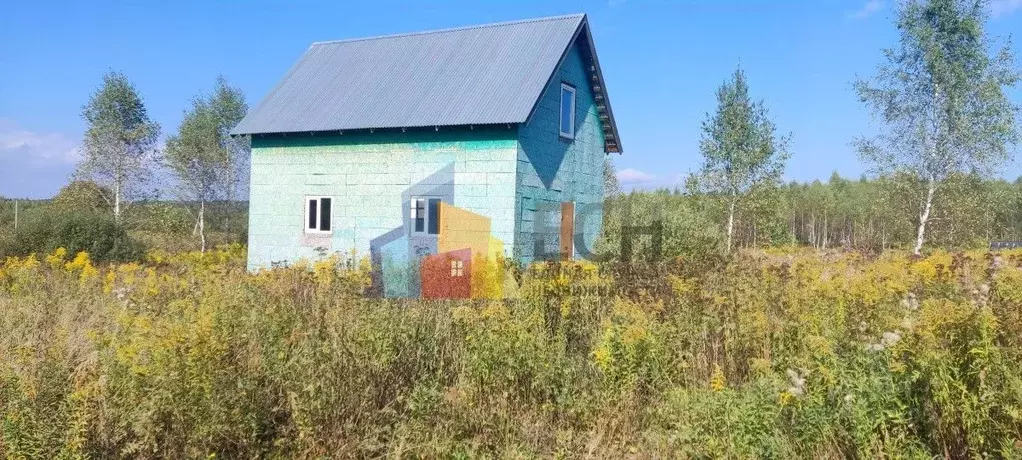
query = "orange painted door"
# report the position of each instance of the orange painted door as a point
(567, 230)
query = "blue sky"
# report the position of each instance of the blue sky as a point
(662, 60)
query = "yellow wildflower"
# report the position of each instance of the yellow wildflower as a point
(30, 262)
(79, 262)
(717, 380)
(108, 281)
(56, 258)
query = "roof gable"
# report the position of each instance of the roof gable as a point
(489, 74)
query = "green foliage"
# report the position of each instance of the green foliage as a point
(202, 155)
(869, 214)
(687, 225)
(120, 142)
(941, 95)
(163, 217)
(726, 423)
(48, 228)
(771, 354)
(741, 154)
(611, 187)
(82, 196)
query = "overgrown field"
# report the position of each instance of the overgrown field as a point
(770, 354)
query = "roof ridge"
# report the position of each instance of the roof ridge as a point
(452, 29)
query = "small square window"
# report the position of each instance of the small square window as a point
(457, 268)
(567, 123)
(318, 213)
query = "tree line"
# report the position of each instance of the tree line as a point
(946, 125)
(852, 213)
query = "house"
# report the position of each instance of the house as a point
(432, 149)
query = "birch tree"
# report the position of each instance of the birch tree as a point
(940, 97)
(119, 150)
(229, 107)
(740, 150)
(611, 186)
(202, 155)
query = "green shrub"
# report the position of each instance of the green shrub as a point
(83, 196)
(163, 217)
(46, 229)
(685, 229)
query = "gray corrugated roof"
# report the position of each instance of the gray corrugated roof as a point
(488, 74)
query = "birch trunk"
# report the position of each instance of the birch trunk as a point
(202, 225)
(823, 244)
(924, 216)
(812, 230)
(730, 222)
(117, 202)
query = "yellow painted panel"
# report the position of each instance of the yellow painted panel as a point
(461, 229)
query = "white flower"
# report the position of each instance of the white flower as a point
(890, 338)
(798, 383)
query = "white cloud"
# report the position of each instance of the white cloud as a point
(34, 164)
(634, 179)
(39, 148)
(867, 10)
(1004, 7)
(633, 176)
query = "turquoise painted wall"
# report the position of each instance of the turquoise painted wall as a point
(371, 177)
(552, 169)
(516, 176)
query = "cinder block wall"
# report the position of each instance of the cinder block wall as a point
(516, 176)
(371, 177)
(552, 169)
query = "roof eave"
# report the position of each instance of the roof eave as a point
(598, 72)
(341, 131)
(583, 25)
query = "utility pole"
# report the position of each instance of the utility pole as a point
(15, 216)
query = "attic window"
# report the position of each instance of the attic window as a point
(567, 111)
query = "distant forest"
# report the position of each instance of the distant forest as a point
(862, 213)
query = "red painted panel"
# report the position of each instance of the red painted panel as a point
(443, 280)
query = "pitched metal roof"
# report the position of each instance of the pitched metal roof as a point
(487, 74)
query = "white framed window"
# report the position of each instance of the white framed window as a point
(318, 214)
(567, 123)
(457, 268)
(425, 215)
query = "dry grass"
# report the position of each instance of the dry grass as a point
(774, 354)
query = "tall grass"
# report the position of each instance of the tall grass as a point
(772, 354)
